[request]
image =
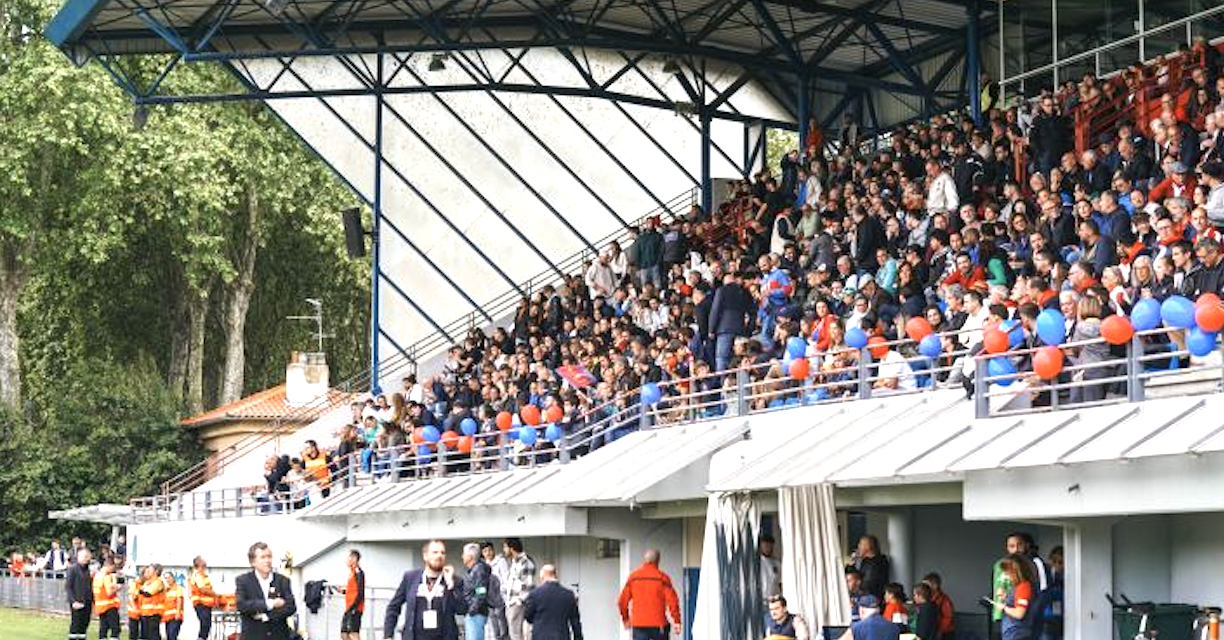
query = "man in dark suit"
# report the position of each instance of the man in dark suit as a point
(552, 609)
(429, 598)
(265, 598)
(728, 318)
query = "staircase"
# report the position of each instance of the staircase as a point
(409, 360)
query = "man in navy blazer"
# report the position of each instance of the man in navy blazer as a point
(552, 609)
(429, 599)
(264, 598)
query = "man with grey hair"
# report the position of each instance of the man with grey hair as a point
(476, 592)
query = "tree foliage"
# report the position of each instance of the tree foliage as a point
(140, 269)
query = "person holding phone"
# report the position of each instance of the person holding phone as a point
(1015, 605)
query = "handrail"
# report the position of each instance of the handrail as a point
(431, 344)
(1116, 44)
(507, 301)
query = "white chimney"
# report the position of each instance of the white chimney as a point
(306, 378)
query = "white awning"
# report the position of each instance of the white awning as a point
(624, 472)
(116, 515)
(935, 437)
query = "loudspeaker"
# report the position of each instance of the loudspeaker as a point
(354, 234)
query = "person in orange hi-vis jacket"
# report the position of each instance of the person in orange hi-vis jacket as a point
(648, 600)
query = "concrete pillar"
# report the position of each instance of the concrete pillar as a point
(900, 541)
(1089, 561)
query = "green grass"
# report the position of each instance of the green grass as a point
(27, 625)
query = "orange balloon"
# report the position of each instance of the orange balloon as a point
(505, 421)
(877, 347)
(1210, 317)
(1048, 362)
(1207, 299)
(799, 368)
(465, 444)
(1117, 330)
(553, 414)
(530, 414)
(994, 341)
(417, 438)
(918, 328)
(450, 440)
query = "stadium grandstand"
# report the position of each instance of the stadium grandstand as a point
(967, 324)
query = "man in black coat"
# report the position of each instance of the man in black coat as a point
(79, 587)
(729, 318)
(1050, 136)
(552, 609)
(264, 598)
(429, 598)
(476, 592)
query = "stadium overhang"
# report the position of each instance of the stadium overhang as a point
(794, 49)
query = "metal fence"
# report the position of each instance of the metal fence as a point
(43, 591)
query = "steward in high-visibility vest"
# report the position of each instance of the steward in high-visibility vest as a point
(133, 609)
(316, 464)
(203, 597)
(152, 602)
(172, 608)
(106, 600)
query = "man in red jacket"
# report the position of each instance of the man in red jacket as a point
(647, 599)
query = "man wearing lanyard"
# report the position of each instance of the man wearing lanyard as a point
(429, 599)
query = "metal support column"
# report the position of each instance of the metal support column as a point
(707, 191)
(804, 111)
(375, 240)
(973, 61)
(1054, 39)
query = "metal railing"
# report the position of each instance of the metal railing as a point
(1185, 24)
(43, 591)
(407, 360)
(1149, 355)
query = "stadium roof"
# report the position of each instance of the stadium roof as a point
(851, 43)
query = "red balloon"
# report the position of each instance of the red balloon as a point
(994, 341)
(1117, 330)
(918, 328)
(417, 438)
(1210, 317)
(877, 347)
(554, 414)
(465, 444)
(530, 414)
(505, 421)
(799, 368)
(1048, 362)
(1207, 299)
(450, 440)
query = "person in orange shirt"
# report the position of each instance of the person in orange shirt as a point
(133, 609)
(106, 600)
(172, 609)
(647, 600)
(894, 606)
(152, 600)
(203, 597)
(354, 599)
(317, 466)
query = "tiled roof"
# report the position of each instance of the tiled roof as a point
(269, 404)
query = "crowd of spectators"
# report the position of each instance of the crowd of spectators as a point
(966, 224)
(56, 560)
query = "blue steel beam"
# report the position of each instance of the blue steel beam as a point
(376, 263)
(781, 41)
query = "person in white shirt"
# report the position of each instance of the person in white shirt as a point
(771, 568)
(895, 373)
(599, 277)
(971, 331)
(941, 189)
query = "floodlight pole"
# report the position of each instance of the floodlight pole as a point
(376, 265)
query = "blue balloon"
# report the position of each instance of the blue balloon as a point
(527, 435)
(1200, 343)
(651, 393)
(796, 347)
(554, 433)
(1052, 327)
(468, 426)
(424, 454)
(855, 338)
(1015, 333)
(430, 434)
(1146, 314)
(1000, 367)
(930, 346)
(1177, 312)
